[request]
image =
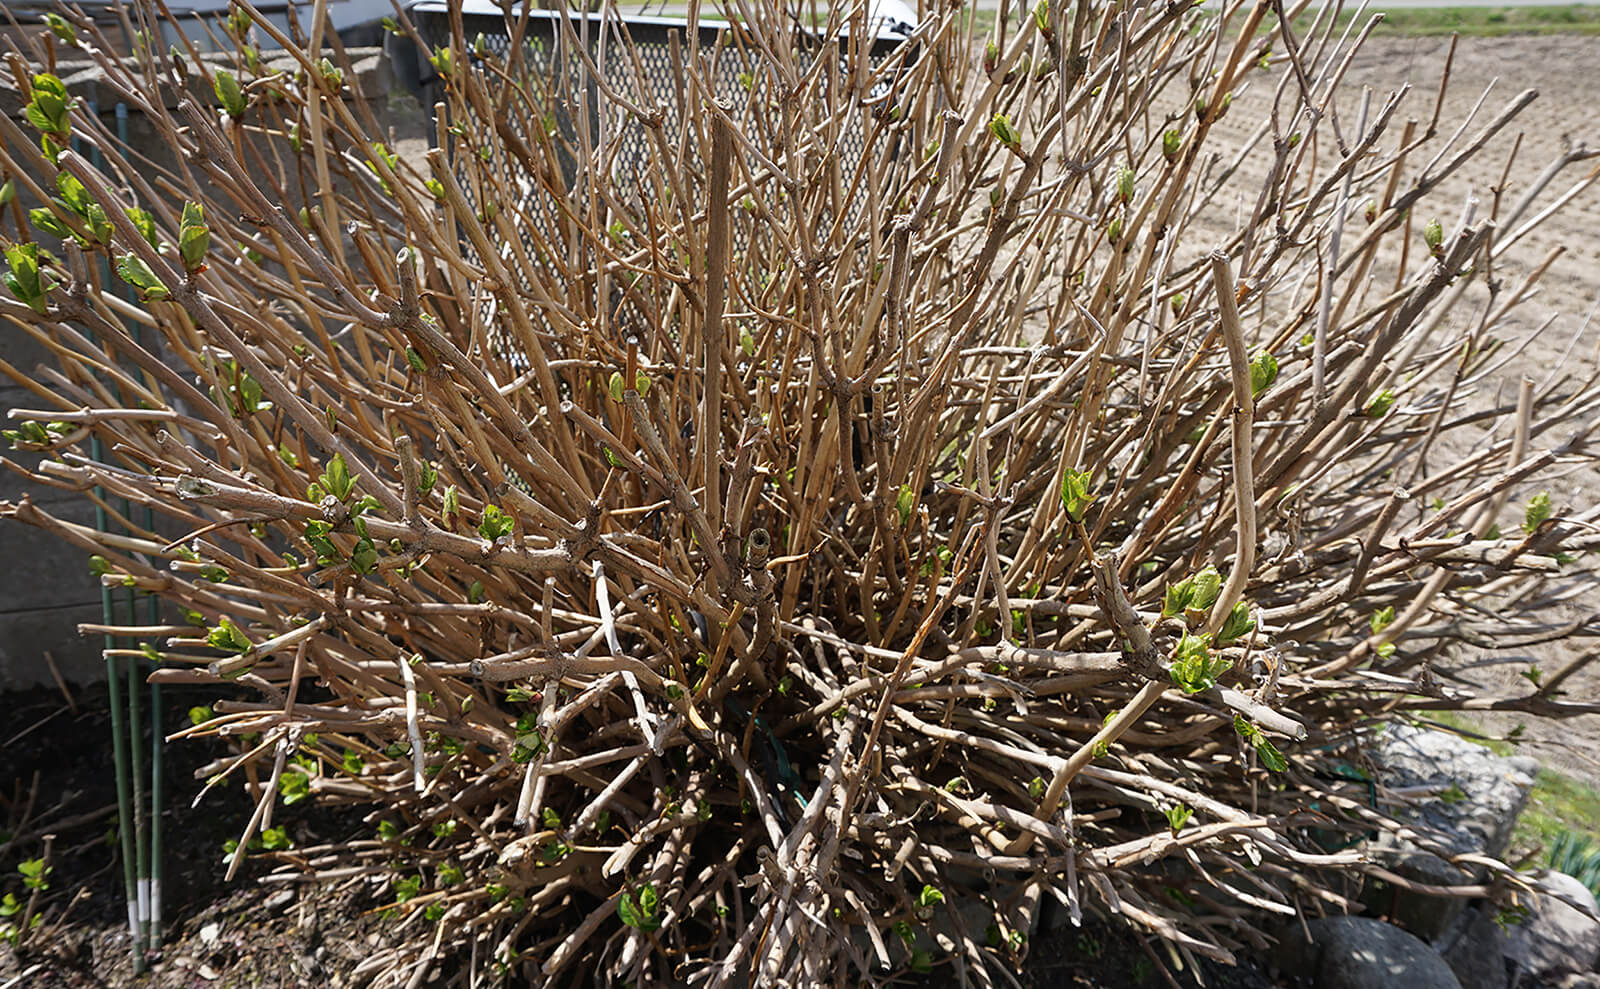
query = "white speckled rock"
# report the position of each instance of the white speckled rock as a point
(1557, 939)
(1490, 792)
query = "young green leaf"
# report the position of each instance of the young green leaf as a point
(249, 390)
(1176, 600)
(73, 195)
(44, 218)
(1207, 585)
(226, 86)
(24, 279)
(1193, 668)
(1537, 511)
(1378, 405)
(35, 873)
(364, 556)
(135, 272)
(331, 74)
(1433, 236)
(1268, 753)
(1381, 619)
(294, 786)
(406, 889)
(336, 479)
(494, 523)
(1075, 494)
(1237, 625)
(1171, 144)
(194, 237)
(48, 110)
(1000, 127)
(452, 503)
(640, 911)
(100, 229)
(62, 28)
(228, 638)
(1125, 184)
(1263, 372)
(1177, 816)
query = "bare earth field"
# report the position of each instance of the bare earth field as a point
(1565, 71)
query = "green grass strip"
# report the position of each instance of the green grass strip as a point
(1479, 22)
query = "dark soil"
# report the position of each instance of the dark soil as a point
(58, 781)
(1105, 955)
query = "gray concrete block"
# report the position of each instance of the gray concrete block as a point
(42, 570)
(25, 636)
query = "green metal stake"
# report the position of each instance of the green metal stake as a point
(129, 765)
(119, 747)
(158, 739)
(141, 847)
(158, 742)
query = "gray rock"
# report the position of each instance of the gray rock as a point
(1480, 796)
(1361, 953)
(1474, 948)
(1557, 939)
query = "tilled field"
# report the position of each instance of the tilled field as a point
(1554, 329)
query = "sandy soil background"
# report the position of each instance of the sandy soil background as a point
(1565, 71)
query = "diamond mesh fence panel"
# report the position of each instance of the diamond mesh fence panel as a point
(643, 61)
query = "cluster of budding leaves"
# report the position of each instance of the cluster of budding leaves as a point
(1194, 668)
(74, 215)
(336, 485)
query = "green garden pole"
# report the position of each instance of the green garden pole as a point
(119, 745)
(158, 739)
(128, 766)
